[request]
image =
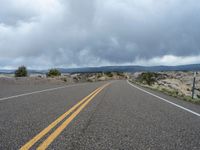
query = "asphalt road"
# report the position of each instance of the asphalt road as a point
(115, 116)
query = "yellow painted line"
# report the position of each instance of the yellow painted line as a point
(58, 131)
(30, 143)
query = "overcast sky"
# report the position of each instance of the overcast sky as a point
(78, 33)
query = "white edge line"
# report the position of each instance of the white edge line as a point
(181, 107)
(35, 92)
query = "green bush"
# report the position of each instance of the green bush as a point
(170, 92)
(21, 72)
(99, 75)
(53, 73)
(64, 79)
(109, 74)
(120, 74)
(148, 78)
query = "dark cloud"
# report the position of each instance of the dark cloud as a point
(93, 32)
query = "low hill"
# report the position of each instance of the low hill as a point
(192, 67)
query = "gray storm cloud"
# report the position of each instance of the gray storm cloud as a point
(68, 33)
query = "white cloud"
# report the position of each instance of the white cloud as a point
(169, 60)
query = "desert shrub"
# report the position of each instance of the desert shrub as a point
(99, 75)
(109, 74)
(64, 79)
(148, 78)
(170, 92)
(53, 73)
(21, 72)
(120, 74)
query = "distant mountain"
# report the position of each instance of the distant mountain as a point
(4, 71)
(192, 67)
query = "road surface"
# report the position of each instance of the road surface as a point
(102, 115)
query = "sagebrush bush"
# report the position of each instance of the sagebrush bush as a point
(53, 73)
(21, 72)
(109, 74)
(148, 78)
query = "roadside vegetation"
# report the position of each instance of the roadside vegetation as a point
(148, 78)
(157, 82)
(53, 73)
(109, 74)
(21, 72)
(176, 94)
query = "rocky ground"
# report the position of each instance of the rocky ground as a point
(36, 79)
(178, 84)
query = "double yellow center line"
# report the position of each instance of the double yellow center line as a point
(73, 112)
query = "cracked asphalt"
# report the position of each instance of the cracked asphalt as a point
(119, 117)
